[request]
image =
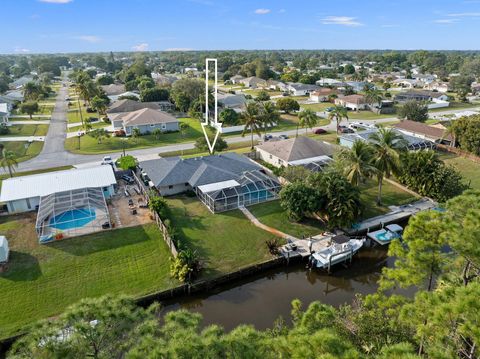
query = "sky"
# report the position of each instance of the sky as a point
(52, 26)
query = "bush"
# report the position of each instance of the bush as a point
(413, 111)
(4, 130)
(127, 162)
(158, 205)
(220, 145)
(186, 266)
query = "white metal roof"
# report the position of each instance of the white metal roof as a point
(53, 182)
(218, 186)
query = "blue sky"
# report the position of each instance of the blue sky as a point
(37, 26)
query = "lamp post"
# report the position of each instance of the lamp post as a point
(124, 145)
(79, 134)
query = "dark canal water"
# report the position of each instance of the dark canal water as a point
(262, 298)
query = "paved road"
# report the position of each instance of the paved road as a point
(55, 155)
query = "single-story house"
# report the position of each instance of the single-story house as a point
(222, 182)
(12, 97)
(4, 112)
(327, 82)
(423, 131)
(299, 89)
(414, 143)
(276, 85)
(359, 85)
(253, 82)
(113, 89)
(20, 82)
(146, 120)
(425, 96)
(407, 83)
(438, 86)
(298, 151)
(236, 79)
(352, 102)
(25, 193)
(127, 105)
(322, 94)
(236, 102)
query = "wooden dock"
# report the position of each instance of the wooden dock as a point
(319, 242)
(397, 214)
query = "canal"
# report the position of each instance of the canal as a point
(262, 298)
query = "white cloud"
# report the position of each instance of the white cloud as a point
(465, 14)
(262, 11)
(56, 1)
(21, 50)
(341, 20)
(88, 38)
(140, 47)
(178, 49)
(445, 21)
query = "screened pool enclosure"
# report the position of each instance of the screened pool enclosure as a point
(251, 188)
(71, 213)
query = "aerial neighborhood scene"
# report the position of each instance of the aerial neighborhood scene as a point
(240, 179)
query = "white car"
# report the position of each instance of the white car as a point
(107, 160)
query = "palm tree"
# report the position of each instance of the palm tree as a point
(357, 162)
(338, 113)
(9, 161)
(99, 134)
(387, 145)
(157, 133)
(251, 120)
(373, 96)
(269, 115)
(183, 127)
(307, 119)
(135, 133)
(31, 91)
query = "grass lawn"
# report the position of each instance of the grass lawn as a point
(255, 92)
(456, 105)
(273, 215)
(367, 115)
(90, 145)
(237, 147)
(73, 115)
(28, 130)
(470, 170)
(42, 280)
(24, 150)
(225, 241)
(98, 124)
(317, 107)
(391, 196)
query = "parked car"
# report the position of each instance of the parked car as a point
(344, 129)
(329, 109)
(127, 179)
(283, 137)
(107, 160)
(320, 131)
(267, 137)
(90, 110)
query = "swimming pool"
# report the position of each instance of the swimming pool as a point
(73, 218)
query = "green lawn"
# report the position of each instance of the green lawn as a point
(225, 241)
(42, 280)
(273, 215)
(24, 150)
(367, 115)
(45, 108)
(28, 130)
(90, 145)
(73, 115)
(456, 105)
(98, 124)
(469, 169)
(317, 107)
(255, 92)
(391, 196)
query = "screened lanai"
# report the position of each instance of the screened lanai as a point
(71, 213)
(250, 188)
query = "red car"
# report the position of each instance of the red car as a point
(320, 131)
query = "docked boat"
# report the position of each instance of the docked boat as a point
(340, 249)
(386, 235)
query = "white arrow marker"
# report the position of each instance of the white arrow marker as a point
(215, 124)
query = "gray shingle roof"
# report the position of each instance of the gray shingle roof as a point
(197, 171)
(145, 116)
(130, 105)
(297, 148)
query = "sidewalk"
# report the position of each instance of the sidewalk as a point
(22, 139)
(29, 122)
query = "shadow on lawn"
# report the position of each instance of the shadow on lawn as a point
(21, 267)
(102, 241)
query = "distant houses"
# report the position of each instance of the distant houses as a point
(352, 102)
(298, 89)
(4, 113)
(323, 94)
(421, 130)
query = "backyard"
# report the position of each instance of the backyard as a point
(225, 241)
(469, 169)
(41, 280)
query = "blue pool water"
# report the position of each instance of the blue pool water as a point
(73, 218)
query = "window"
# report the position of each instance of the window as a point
(170, 187)
(164, 126)
(152, 125)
